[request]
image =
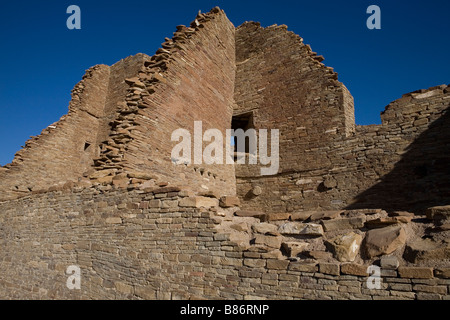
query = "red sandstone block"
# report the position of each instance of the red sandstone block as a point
(329, 268)
(415, 272)
(354, 269)
(229, 201)
(277, 264)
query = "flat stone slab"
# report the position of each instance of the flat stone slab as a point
(297, 228)
(438, 213)
(301, 216)
(198, 202)
(426, 249)
(325, 215)
(294, 248)
(265, 228)
(343, 224)
(346, 247)
(384, 241)
(247, 213)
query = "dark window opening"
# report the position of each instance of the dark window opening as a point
(243, 121)
(86, 146)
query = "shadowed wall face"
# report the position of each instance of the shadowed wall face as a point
(402, 164)
(414, 169)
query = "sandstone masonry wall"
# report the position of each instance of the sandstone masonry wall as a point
(65, 150)
(166, 244)
(287, 87)
(402, 164)
(191, 78)
(99, 190)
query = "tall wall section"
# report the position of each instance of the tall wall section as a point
(65, 150)
(286, 86)
(191, 78)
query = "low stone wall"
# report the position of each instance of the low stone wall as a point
(163, 243)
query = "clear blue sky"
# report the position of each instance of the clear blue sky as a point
(41, 60)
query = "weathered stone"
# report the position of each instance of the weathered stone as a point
(403, 214)
(257, 191)
(229, 201)
(247, 213)
(318, 255)
(140, 175)
(121, 183)
(303, 267)
(265, 228)
(303, 181)
(415, 272)
(277, 264)
(329, 268)
(425, 250)
(169, 204)
(197, 202)
(354, 269)
(296, 228)
(325, 215)
(160, 190)
(346, 247)
(430, 289)
(270, 241)
(403, 219)
(273, 254)
(123, 287)
(381, 222)
(145, 293)
(210, 194)
(443, 227)
(114, 220)
(438, 213)
(102, 173)
(330, 182)
(384, 241)
(343, 224)
(301, 216)
(359, 212)
(389, 262)
(240, 227)
(442, 273)
(104, 180)
(156, 203)
(293, 248)
(276, 216)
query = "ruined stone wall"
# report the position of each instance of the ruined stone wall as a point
(166, 244)
(402, 164)
(191, 78)
(65, 150)
(287, 87)
(140, 227)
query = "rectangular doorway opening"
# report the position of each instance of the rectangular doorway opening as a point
(245, 122)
